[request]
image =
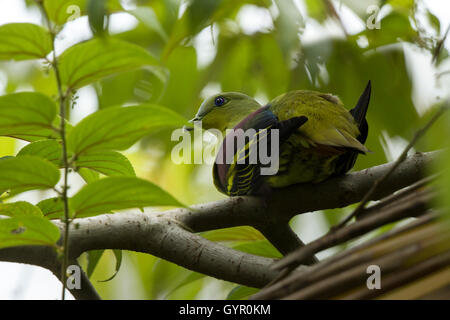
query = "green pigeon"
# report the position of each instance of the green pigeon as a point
(317, 138)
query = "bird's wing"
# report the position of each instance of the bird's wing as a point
(237, 169)
(334, 137)
(331, 126)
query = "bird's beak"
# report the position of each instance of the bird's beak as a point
(191, 121)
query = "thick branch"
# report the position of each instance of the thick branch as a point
(284, 239)
(157, 236)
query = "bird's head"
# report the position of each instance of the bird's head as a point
(224, 110)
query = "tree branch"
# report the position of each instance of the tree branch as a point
(165, 234)
(284, 239)
(158, 236)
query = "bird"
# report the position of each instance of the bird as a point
(318, 138)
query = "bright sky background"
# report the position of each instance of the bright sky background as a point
(28, 282)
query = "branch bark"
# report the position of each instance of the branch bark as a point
(158, 236)
(166, 235)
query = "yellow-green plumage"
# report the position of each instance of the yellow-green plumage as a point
(329, 122)
(303, 157)
(319, 137)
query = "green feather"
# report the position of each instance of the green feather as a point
(310, 153)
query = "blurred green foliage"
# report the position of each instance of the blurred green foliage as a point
(264, 64)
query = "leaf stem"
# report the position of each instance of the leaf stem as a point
(62, 97)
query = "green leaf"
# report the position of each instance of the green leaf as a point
(191, 277)
(258, 247)
(62, 11)
(288, 25)
(1, 159)
(109, 163)
(181, 94)
(145, 85)
(88, 175)
(118, 128)
(23, 41)
(333, 216)
(27, 173)
(274, 72)
(434, 22)
(241, 293)
(97, 16)
(18, 208)
(116, 193)
(404, 6)
(27, 115)
(239, 58)
(47, 149)
(26, 226)
(246, 239)
(118, 255)
(93, 257)
(148, 17)
(198, 15)
(399, 27)
(317, 9)
(243, 233)
(95, 59)
(52, 208)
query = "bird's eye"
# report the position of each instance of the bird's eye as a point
(219, 101)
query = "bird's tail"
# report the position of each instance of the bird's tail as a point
(347, 160)
(359, 113)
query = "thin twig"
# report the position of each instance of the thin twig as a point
(334, 13)
(443, 73)
(398, 196)
(332, 285)
(404, 276)
(439, 46)
(392, 258)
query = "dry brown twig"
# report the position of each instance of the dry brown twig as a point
(424, 236)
